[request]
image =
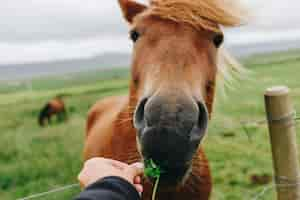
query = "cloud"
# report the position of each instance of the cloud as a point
(275, 14)
(39, 30)
(38, 20)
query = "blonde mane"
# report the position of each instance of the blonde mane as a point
(201, 14)
(206, 15)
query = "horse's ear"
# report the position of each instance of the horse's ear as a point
(131, 8)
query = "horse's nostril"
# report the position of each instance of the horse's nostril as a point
(203, 118)
(199, 130)
(139, 119)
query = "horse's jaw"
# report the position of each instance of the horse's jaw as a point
(186, 176)
(169, 179)
(171, 184)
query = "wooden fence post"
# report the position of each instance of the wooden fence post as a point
(280, 115)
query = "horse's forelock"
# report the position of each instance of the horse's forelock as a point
(201, 14)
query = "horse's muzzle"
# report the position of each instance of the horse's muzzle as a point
(169, 133)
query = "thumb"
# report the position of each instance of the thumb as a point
(134, 170)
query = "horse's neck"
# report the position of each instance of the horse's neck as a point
(124, 138)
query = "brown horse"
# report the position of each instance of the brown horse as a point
(175, 63)
(56, 107)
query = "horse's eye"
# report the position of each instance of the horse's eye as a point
(218, 39)
(134, 35)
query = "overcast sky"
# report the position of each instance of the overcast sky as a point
(42, 30)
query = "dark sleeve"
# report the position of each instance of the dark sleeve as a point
(109, 188)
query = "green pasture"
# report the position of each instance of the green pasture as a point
(34, 159)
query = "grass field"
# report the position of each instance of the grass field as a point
(34, 160)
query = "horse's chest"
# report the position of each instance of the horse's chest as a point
(196, 189)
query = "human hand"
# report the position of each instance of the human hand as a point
(98, 168)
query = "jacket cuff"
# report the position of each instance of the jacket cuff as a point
(119, 184)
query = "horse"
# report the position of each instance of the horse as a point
(176, 64)
(56, 106)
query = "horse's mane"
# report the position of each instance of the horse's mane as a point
(205, 15)
(229, 69)
(201, 14)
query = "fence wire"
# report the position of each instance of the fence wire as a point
(288, 183)
(247, 125)
(56, 190)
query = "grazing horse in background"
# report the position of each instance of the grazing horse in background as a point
(176, 61)
(56, 107)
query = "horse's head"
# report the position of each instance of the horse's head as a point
(174, 71)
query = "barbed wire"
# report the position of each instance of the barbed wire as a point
(278, 183)
(34, 196)
(263, 192)
(246, 125)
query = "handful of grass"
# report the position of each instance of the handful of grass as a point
(152, 170)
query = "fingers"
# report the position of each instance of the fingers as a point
(117, 164)
(134, 169)
(139, 188)
(97, 168)
(138, 165)
(137, 180)
(82, 178)
(105, 161)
